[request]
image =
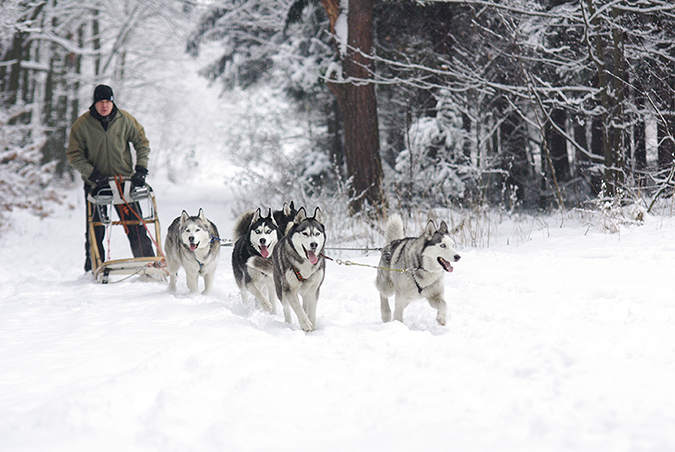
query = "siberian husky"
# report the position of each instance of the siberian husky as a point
(255, 237)
(421, 263)
(299, 267)
(193, 243)
(284, 217)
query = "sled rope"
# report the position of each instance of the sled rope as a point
(118, 181)
(366, 249)
(126, 277)
(223, 242)
(341, 262)
(107, 232)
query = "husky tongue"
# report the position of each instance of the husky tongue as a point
(312, 256)
(263, 251)
(193, 246)
(445, 264)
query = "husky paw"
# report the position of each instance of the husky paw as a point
(307, 326)
(441, 320)
(266, 305)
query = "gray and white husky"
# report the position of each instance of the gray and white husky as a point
(192, 242)
(299, 267)
(421, 263)
(256, 237)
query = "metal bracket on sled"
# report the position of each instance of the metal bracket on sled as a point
(110, 195)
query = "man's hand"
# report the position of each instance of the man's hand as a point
(138, 179)
(97, 178)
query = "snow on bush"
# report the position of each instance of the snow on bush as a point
(434, 167)
(25, 183)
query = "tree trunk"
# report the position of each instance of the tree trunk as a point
(608, 85)
(513, 132)
(557, 144)
(357, 102)
(581, 160)
(666, 125)
(666, 150)
(639, 131)
(618, 131)
(96, 43)
(11, 85)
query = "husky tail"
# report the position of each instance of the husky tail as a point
(241, 225)
(394, 228)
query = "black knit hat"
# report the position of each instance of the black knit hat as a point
(103, 92)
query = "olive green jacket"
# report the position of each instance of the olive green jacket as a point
(90, 146)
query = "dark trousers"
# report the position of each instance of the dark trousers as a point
(141, 245)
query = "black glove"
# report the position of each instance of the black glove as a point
(138, 179)
(97, 178)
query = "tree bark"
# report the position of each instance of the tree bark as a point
(611, 96)
(357, 102)
(557, 144)
(666, 149)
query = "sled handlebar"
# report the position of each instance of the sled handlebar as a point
(119, 190)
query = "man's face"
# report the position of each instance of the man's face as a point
(104, 107)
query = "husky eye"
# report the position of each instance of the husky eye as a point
(257, 231)
(443, 245)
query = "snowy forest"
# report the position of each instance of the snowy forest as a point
(524, 104)
(539, 131)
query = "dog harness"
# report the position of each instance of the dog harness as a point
(419, 288)
(298, 275)
(201, 264)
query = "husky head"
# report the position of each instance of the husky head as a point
(284, 217)
(308, 235)
(263, 233)
(439, 248)
(195, 232)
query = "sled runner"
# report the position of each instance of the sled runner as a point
(136, 208)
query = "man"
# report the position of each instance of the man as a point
(98, 148)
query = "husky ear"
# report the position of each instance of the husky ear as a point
(256, 215)
(444, 228)
(201, 215)
(300, 216)
(183, 217)
(430, 229)
(317, 215)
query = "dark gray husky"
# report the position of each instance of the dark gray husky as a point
(417, 267)
(299, 267)
(256, 236)
(284, 217)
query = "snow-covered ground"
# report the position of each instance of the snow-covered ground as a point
(559, 339)
(561, 342)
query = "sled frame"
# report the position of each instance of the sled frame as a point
(104, 203)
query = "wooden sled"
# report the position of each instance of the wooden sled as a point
(122, 191)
